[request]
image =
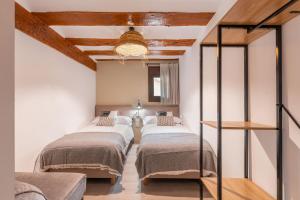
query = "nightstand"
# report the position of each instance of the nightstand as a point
(137, 124)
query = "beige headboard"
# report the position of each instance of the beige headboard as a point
(128, 110)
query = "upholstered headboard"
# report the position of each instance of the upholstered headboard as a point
(129, 110)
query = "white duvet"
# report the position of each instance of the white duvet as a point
(124, 130)
(154, 129)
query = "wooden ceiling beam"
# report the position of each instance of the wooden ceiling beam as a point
(36, 28)
(114, 42)
(167, 52)
(151, 52)
(125, 18)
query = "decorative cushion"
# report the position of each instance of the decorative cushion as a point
(56, 185)
(165, 121)
(26, 191)
(106, 121)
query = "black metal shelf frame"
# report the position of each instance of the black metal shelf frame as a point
(290, 115)
(279, 103)
(246, 107)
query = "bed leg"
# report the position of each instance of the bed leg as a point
(113, 180)
(145, 181)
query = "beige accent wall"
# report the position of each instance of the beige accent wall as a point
(122, 84)
(7, 99)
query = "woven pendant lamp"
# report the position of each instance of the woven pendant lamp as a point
(131, 44)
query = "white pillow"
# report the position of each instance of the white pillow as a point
(96, 120)
(177, 120)
(150, 120)
(125, 120)
(169, 114)
(113, 114)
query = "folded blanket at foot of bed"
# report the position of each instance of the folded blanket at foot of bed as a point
(92, 150)
(173, 153)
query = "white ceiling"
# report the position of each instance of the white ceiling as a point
(149, 32)
(84, 48)
(122, 5)
(148, 57)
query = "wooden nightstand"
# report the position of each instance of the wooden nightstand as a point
(137, 125)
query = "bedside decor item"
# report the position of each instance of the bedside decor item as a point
(138, 107)
(137, 126)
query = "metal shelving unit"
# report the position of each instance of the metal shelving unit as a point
(243, 188)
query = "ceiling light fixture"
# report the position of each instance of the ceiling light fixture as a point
(131, 44)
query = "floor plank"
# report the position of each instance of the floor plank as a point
(237, 189)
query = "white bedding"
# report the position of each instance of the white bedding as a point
(124, 130)
(154, 129)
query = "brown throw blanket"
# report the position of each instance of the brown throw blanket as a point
(173, 152)
(93, 150)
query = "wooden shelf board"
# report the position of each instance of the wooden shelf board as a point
(236, 189)
(239, 125)
(251, 12)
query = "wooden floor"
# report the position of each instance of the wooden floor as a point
(129, 188)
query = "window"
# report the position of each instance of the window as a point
(154, 84)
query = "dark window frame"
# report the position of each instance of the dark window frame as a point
(153, 72)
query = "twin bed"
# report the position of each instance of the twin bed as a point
(100, 151)
(97, 151)
(172, 152)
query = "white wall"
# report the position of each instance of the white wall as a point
(189, 87)
(263, 100)
(262, 78)
(291, 60)
(7, 99)
(54, 95)
(189, 73)
(232, 102)
(223, 8)
(232, 99)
